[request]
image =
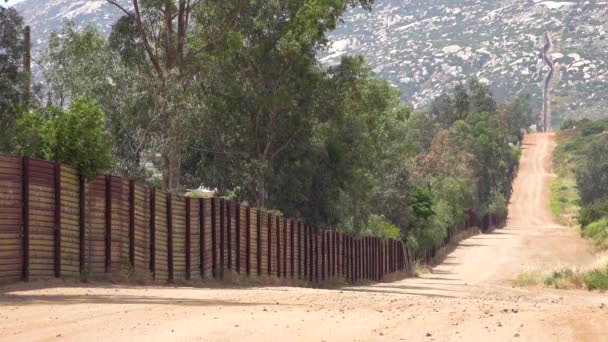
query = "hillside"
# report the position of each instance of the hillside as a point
(422, 47)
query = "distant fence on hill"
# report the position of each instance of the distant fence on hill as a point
(55, 224)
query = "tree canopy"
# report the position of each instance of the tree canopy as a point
(230, 95)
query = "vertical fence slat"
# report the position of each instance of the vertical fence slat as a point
(213, 239)
(278, 238)
(306, 254)
(170, 236)
(201, 227)
(229, 233)
(81, 223)
(269, 243)
(108, 241)
(248, 239)
(26, 218)
(299, 232)
(153, 231)
(132, 223)
(57, 230)
(291, 248)
(188, 241)
(222, 231)
(258, 242)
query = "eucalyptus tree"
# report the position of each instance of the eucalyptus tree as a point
(11, 72)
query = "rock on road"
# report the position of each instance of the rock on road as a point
(468, 297)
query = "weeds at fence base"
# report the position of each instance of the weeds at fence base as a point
(399, 275)
(420, 268)
(334, 283)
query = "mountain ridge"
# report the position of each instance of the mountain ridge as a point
(425, 47)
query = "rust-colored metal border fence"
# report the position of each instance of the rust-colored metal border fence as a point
(55, 224)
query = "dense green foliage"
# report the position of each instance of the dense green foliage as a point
(11, 76)
(76, 137)
(583, 151)
(230, 95)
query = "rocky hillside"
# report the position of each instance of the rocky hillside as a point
(422, 46)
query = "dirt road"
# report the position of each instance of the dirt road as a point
(468, 297)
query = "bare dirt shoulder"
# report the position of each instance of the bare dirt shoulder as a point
(467, 297)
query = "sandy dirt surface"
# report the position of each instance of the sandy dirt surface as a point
(469, 297)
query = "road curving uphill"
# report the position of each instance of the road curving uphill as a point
(469, 296)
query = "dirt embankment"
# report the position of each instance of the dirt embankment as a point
(467, 297)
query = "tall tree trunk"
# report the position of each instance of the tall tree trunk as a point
(27, 58)
(173, 169)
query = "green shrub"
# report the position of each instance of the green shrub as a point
(598, 231)
(498, 205)
(597, 279)
(593, 213)
(380, 227)
(593, 127)
(421, 202)
(76, 137)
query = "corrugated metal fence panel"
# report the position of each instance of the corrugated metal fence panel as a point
(207, 253)
(243, 239)
(233, 235)
(283, 242)
(179, 238)
(303, 270)
(95, 227)
(291, 255)
(195, 243)
(263, 253)
(120, 224)
(70, 222)
(253, 257)
(215, 235)
(11, 225)
(142, 228)
(273, 245)
(339, 265)
(42, 216)
(161, 262)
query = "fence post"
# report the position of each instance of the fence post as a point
(248, 238)
(299, 250)
(269, 243)
(132, 223)
(201, 228)
(222, 231)
(213, 238)
(278, 230)
(81, 222)
(291, 249)
(285, 247)
(170, 236)
(229, 232)
(153, 232)
(238, 237)
(188, 241)
(332, 252)
(108, 244)
(26, 218)
(316, 239)
(57, 230)
(258, 241)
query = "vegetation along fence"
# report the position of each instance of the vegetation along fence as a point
(55, 224)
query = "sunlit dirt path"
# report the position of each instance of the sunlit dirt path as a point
(468, 297)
